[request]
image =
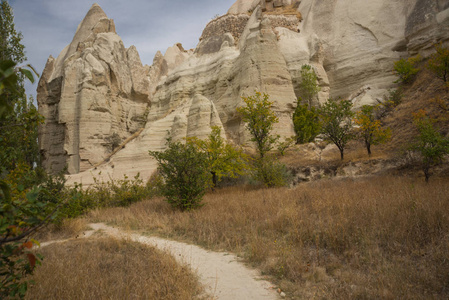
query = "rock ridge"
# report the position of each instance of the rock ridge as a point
(97, 87)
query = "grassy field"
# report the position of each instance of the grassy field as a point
(363, 237)
(385, 237)
(105, 268)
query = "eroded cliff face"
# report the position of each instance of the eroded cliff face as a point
(97, 87)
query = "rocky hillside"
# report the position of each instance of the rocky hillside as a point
(97, 88)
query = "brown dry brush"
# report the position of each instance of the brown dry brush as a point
(107, 268)
(368, 238)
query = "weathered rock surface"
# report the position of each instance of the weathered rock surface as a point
(93, 89)
(96, 86)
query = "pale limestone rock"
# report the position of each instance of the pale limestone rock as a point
(175, 56)
(202, 116)
(359, 41)
(139, 73)
(350, 45)
(243, 6)
(92, 90)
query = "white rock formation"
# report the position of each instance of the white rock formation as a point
(97, 87)
(93, 89)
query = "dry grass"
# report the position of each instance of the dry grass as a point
(68, 228)
(286, 10)
(369, 238)
(110, 269)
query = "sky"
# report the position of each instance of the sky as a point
(150, 25)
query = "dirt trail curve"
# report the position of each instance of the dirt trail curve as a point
(220, 273)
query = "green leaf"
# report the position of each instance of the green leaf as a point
(28, 74)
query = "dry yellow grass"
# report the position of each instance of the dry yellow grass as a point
(110, 269)
(68, 228)
(368, 238)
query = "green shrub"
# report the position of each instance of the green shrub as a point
(285, 144)
(185, 174)
(439, 62)
(406, 68)
(308, 87)
(271, 173)
(430, 145)
(306, 122)
(112, 193)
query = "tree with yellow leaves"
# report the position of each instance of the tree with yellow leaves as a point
(370, 129)
(223, 158)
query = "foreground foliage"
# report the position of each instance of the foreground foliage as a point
(21, 211)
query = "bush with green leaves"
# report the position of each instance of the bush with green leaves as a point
(185, 174)
(439, 62)
(271, 173)
(390, 101)
(112, 193)
(22, 213)
(306, 122)
(406, 69)
(430, 145)
(285, 144)
(336, 123)
(308, 86)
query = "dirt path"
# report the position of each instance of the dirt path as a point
(222, 275)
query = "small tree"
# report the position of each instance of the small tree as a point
(185, 174)
(223, 159)
(260, 120)
(308, 87)
(390, 101)
(370, 130)
(306, 122)
(430, 145)
(406, 68)
(439, 62)
(336, 123)
(285, 144)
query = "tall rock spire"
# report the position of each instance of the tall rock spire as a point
(94, 90)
